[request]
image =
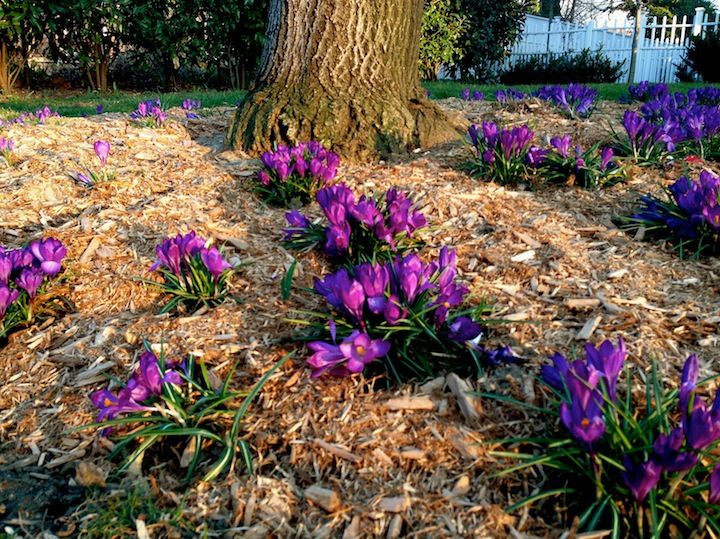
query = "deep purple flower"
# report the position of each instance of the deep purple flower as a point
(608, 360)
(100, 109)
(536, 156)
(556, 375)
(360, 350)
(491, 133)
(49, 253)
(477, 95)
(353, 300)
(561, 144)
(641, 478)
(465, 94)
(298, 224)
(6, 267)
(7, 298)
(111, 405)
(667, 454)
(337, 239)
(500, 355)
(583, 419)
(149, 376)
(374, 279)
(84, 179)
(463, 329)
(214, 262)
(714, 494)
(102, 150)
(30, 280)
(474, 134)
(606, 157)
(326, 358)
(169, 255)
(687, 383)
(394, 311)
(701, 426)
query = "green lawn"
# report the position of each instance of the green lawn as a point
(609, 92)
(85, 103)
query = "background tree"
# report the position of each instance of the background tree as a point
(21, 26)
(343, 72)
(492, 29)
(440, 36)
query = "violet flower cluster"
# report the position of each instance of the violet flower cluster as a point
(509, 95)
(189, 105)
(647, 91)
(25, 118)
(194, 272)
(292, 175)
(565, 162)
(150, 113)
(501, 154)
(590, 408)
(23, 272)
(475, 95)
(6, 149)
(575, 100)
(144, 385)
(358, 230)
(404, 314)
(689, 214)
(90, 177)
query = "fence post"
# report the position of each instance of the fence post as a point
(698, 20)
(589, 27)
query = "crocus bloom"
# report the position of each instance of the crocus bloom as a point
(102, 150)
(7, 298)
(641, 478)
(464, 329)
(714, 496)
(49, 253)
(583, 420)
(111, 405)
(30, 280)
(667, 454)
(214, 262)
(360, 350)
(6, 267)
(687, 383)
(608, 360)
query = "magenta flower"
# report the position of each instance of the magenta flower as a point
(102, 150)
(714, 496)
(30, 280)
(360, 350)
(7, 298)
(214, 262)
(49, 253)
(111, 405)
(641, 478)
(6, 267)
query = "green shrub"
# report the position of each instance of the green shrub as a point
(701, 57)
(583, 67)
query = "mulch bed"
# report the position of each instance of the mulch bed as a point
(401, 462)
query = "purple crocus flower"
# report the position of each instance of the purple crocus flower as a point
(298, 225)
(360, 350)
(326, 358)
(583, 418)
(714, 494)
(561, 144)
(30, 280)
(556, 375)
(702, 426)
(606, 157)
(500, 355)
(667, 454)
(49, 253)
(607, 360)
(111, 405)
(100, 109)
(474, 134)
(6, 267)
(463, 329)
(149, 376)
(465, 94)
(83, 179)
(374, 279)
(353, 300)
(7, 298)
(394, 311)
(641, 478)
(687, 383)
(102, 150)
(169, 255)
(214, 262)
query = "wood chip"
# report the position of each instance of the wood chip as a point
(336, 450)
(326, 498)
(88, 474)
(395, 504)
(469, 406)
(589, 328)
(581, 303)
(410, 403)
(524, 256)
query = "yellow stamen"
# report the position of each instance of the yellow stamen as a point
(360, 350)
(446, 305)
(108, 402)
(585, 422)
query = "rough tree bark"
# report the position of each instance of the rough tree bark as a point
(344, 72)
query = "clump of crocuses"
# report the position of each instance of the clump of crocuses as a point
(91, 176)
(635, 462)
(176, 402)
(190, 105)
(357, 230)
(474, 95)
(509, 95)
(149, 113)
(407, 319)
(25, 274)
(292, 175)
(687, 215)
(501, 155)
(194, 272)
(647, 91)
(568, 163)
(575, 100)
(7, 146)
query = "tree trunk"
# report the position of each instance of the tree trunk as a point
(635, 42)
(343, 72)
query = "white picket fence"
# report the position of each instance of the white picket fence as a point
(660, 51)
